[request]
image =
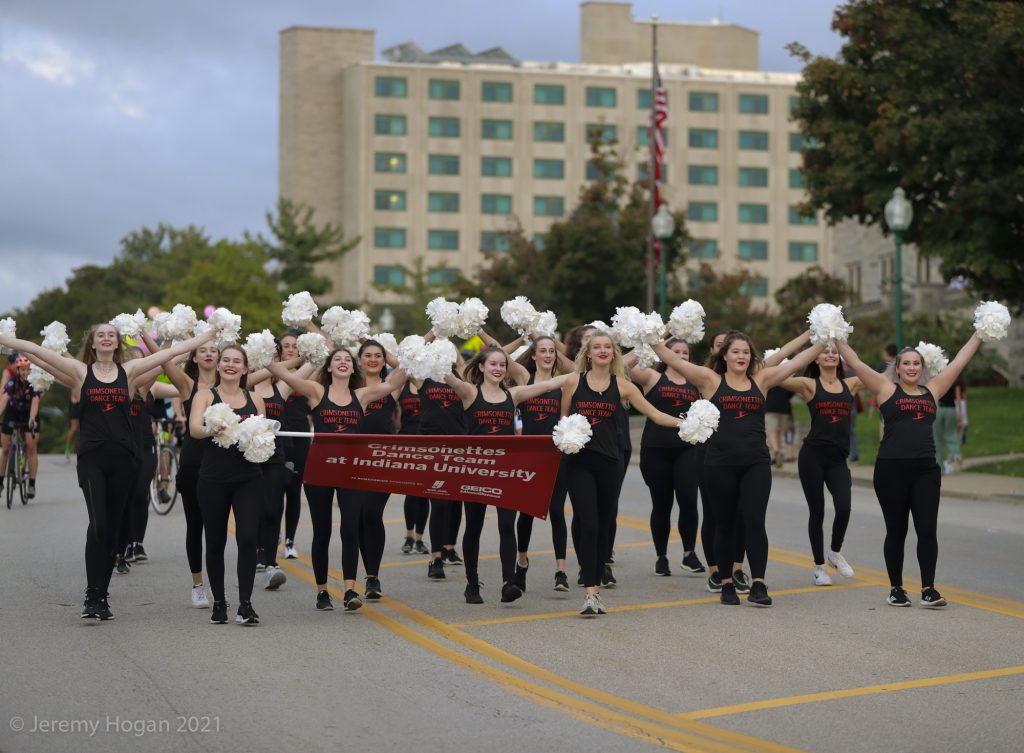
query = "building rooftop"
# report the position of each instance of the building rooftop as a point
(410, 52)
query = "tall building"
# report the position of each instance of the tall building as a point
(435, 154)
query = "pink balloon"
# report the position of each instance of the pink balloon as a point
(152, 311)
(208, 311)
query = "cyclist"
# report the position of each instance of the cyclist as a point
(19, 404)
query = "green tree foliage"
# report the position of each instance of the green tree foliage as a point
(925, 95)
(411, 314)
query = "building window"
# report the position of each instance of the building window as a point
(703, 102)
(853, 281)
(443, 89)
(793, 103)
(603, 133)
(389, 162)
(548, 94)
(548, 206)
(755, 140)
(641, 172)
(549, 169)
(643, 99)
(703, 138)
(496, 167)
(702, 175)
(798, 142)
(548, 130)
(442, 201)
(539, 239)
(796, 178)
(756, 214)
(642, 135)
(386, 200)
(703, 248)
(389, 237)
(496, 129)
(495, 203)
(802, 251)
(795, 218)
(389, 276)
(443, 164)
(754, 104)
(754, 177)
(443, 128)
(492, 241)
(702, 211)
(389, 125)
(600, 96)
(593, 173)
(753, 250)
(443, 240)
(442, 276)
(694, 281)
(390, 86)
(494, 91)
(754, 286)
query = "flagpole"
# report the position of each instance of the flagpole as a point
(649, 266)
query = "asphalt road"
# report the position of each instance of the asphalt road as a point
(826, 669)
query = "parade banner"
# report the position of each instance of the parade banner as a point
(517, 473)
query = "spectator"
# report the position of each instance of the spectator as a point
(778, 424)
(946, 430)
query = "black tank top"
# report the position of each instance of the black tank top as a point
(273, 408)
(379, 417)
(600, 409)
(142, 419)
(498, 419)
(330, 418)
(224, 465)
(409, 402)
(830, 417)
(192, 449)
(106, 415)
(541, 413)
(440, 409)
(673, 399)
(740, 439)
(295, 416)
(908, 423)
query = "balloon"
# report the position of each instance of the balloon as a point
(152, 311)
(208, 310)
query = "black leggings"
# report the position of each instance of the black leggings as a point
(822, 467)
(295, 452)
(350, 502)
(417, 510)
(187, 480)
(594, 482)
(475, 512)
(741, 491)
(106, 479)
(445, 521)
(907, 487)
(371, 530)
(556, 515)
(671, 472)
(708, 526)
(136, 513)
(245, 500)
(275, 476)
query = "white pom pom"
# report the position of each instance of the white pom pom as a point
(444, 317)
(313, 348)
(600, 326)
(687, 322)
(472, 316)
(631, 328)
(933, 357)
(299, 310)
(423, 360)
(55, 337)
(388, 341)
(699, 423)
(547, 324)
(201, 328)
(991, 321)
(7, 329)
(180, 324)
(646, 358)
(260, 349)
(572, 433)
(828, 325)
(520, 315)
(129, 325)
(220, 417)
(256, 438)
(40, 379)
(227, 325)
(442, 355)
(345, 328)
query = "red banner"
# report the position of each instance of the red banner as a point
(512, 472)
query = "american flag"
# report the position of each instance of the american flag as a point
(656, 139)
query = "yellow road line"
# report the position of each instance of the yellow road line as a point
(832, 695)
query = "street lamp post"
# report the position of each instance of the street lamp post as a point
(899, 213)
(662, 227)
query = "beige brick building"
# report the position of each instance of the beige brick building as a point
(433, 155)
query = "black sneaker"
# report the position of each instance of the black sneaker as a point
(352, 601)
(30, 493)
(715, 582)
(741, 581)
(103, 610)
(607, 579)
(452, 557)
(435, 570)
(932, 599)
(561, 581)
(661, 567)
(758, 595)
(407, 545)
(140, 553)
(323, 602)
(691, 563)
(472, 593)
(420, 548)
(219, 616)
(91, 606)
(121, 566)
(129, 553)
(164, 495)
(728, 595)
(246, 614)
(611, 558)
(373, 588)
(520, 577)
(898, 597)
(510, 592)
(579, 578)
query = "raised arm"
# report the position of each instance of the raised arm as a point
(879, 384)
(773, 376)
(59, 376)
(304, 386)
(631, 392)
(395, 381)
(568, 390)
(803, 386)
(642, 376)
(160, 357)
(162, 391)
(526, 391)
(940, 384)
(46, 358)
(702, 377)
(200, 403)
(262, 375)
(787, 350)
(466, 391)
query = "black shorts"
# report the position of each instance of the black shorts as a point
(11, 420)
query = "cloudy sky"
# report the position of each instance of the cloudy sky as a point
(115, 114)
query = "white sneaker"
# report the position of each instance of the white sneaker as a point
(821, 578)
(289, 551)
(600, 604)
(199, 600)
(836, 560)
(589, 606)
(275, 578)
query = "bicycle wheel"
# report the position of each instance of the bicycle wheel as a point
(163, 480)
(12, 470)
(23, 473)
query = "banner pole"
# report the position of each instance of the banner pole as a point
(306, 434)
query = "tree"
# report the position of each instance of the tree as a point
(923, 95)
(417, 291)
(794, 300)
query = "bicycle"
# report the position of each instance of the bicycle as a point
(17, 466)
(163, 491)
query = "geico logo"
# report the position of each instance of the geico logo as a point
(482, 490)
